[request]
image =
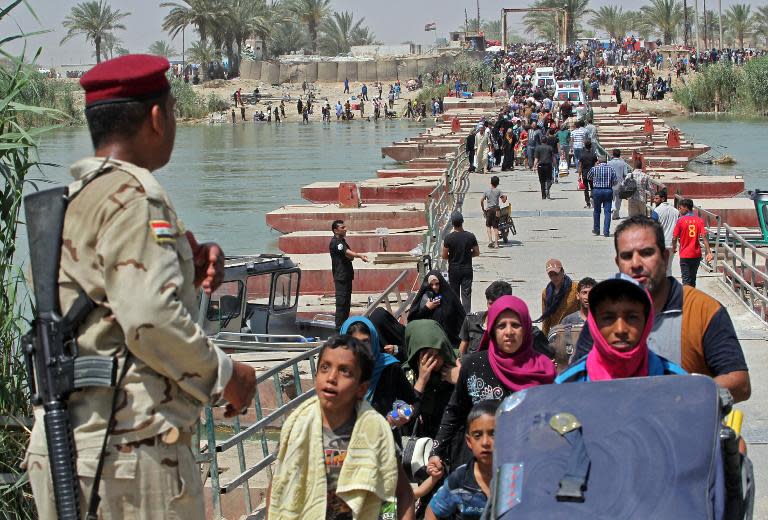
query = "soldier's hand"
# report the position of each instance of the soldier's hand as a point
(240, 389)
(209, 264)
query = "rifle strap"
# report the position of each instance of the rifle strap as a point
(95, 499)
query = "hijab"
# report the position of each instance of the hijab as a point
(380, 359)
(526, 367)
(428, 334)
(605, 362)
(422, 334)
(391, 331)
(449, 314)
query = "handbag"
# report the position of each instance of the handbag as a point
(416, 452)
(582, 186)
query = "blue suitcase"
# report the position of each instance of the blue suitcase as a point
(642, 448)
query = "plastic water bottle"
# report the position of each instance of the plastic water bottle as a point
(400, 410)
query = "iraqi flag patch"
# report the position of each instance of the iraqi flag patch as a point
(162, 231)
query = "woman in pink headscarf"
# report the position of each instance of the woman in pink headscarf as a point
(505, 363)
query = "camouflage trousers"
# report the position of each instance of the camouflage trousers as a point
(143, 480)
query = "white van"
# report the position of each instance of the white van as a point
(572, 90)
(544, 78)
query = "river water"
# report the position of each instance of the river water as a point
(223, 179)
(743, 139)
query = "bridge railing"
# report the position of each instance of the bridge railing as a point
(446, 197)
(745, 270)
(213, 447)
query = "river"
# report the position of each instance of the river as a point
(742, 139)
(223, 179)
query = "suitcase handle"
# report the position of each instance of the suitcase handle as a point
(574, 482)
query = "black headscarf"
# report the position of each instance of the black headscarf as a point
(391, 331)
(449, 314)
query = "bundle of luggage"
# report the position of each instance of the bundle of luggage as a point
(640, 448)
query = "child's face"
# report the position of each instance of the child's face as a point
(480, 438)
(620, 322)
(338, 383)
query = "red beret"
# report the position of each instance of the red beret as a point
(132, 77)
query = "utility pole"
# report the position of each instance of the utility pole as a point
(704, 16)
(685, 23)
(478, 16)
(466, 22)
(720, 23)
(183, 61)
(698, 32)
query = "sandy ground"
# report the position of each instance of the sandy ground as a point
(331, 91)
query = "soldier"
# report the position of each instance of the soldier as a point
(126, 249)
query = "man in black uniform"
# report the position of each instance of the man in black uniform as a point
(459, 247)
(341, 266)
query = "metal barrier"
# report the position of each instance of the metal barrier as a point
(210, 453)
(744, 269)
(441, 202)
(394, 288)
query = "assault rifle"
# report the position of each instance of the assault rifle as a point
(54, 370)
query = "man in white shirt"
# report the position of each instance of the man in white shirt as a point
(667, 216)
(620, 167)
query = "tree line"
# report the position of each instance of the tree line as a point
(222, 28)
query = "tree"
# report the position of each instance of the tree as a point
(739, 22)
(162, 48)
(340, 32)
(542, 23)
(613, 20)
(663, 17)
(710, 27)
(200, 52)
(492, 29)
(311, 13)
(286, 38)
(760, 19)
(94, 20)
(202, 14)
(111, 46)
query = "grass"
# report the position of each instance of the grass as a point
(27, 100)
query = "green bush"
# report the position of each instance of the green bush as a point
(216, 104)
(756, 84)
(188, 103)
(426, 94)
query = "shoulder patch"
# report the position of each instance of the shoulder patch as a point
(340, 247)
(162, 231)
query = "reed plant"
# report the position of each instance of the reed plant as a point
(18, 158)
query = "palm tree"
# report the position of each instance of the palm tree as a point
(492, 29)
(710, 27)
(312, 13)
(162, 48)
(613, 20)
(542, 22)
(761, 22)
(286, 38)
(739, 22)
(200, 52)
(202, 14)
(111, 45)
(339, 31)
(663, 17)
(94, 20)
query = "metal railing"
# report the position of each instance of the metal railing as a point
(446, 197)
(744, 267)
(213, 447)
(402, 299)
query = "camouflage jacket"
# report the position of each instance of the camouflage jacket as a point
(124, 245)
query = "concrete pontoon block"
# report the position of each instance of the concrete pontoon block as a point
(366, 71)
(427, 65)
(310, 72)
(327, 71)
(270, 72)
(386, 70)
(347, 70)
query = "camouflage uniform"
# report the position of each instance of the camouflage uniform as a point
(124, 245)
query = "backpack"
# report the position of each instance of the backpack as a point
(628, 187)
(646, 447)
